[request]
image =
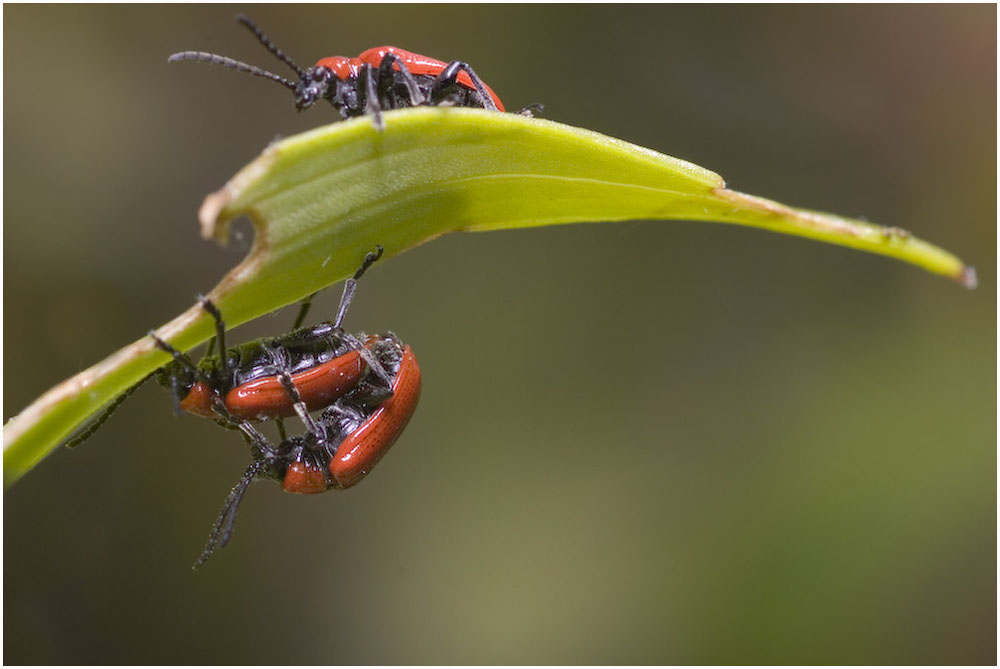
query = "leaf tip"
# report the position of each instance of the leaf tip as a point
(967, 277)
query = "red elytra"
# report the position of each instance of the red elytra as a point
(319, 386)
(365, 446)
(266, 398)
(348, 68)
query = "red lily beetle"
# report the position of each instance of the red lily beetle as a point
(322, 363)
(380, 78)
(340, 447)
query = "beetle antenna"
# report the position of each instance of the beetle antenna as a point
(97, 421)
(271, 46)
(231, 63)
(223, 527)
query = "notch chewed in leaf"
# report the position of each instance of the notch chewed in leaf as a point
(322, 199)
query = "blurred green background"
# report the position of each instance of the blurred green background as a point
(638, 443)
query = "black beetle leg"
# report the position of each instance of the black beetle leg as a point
(447, 80)
(386, 77)
(372, 105)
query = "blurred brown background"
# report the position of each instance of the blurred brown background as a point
(638, 443)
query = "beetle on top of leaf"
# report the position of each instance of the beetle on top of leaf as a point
(380, 78)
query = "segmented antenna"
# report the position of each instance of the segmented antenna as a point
(231, 63)
(271, 46)
(222, 530)
(97, 421)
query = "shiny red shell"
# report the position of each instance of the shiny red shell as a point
(305, 479)
(266, 398)
(198, 401)
(348, 68)
(364, 447)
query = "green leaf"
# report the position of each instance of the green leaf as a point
(321, 200)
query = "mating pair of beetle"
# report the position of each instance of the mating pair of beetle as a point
(365, 388)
